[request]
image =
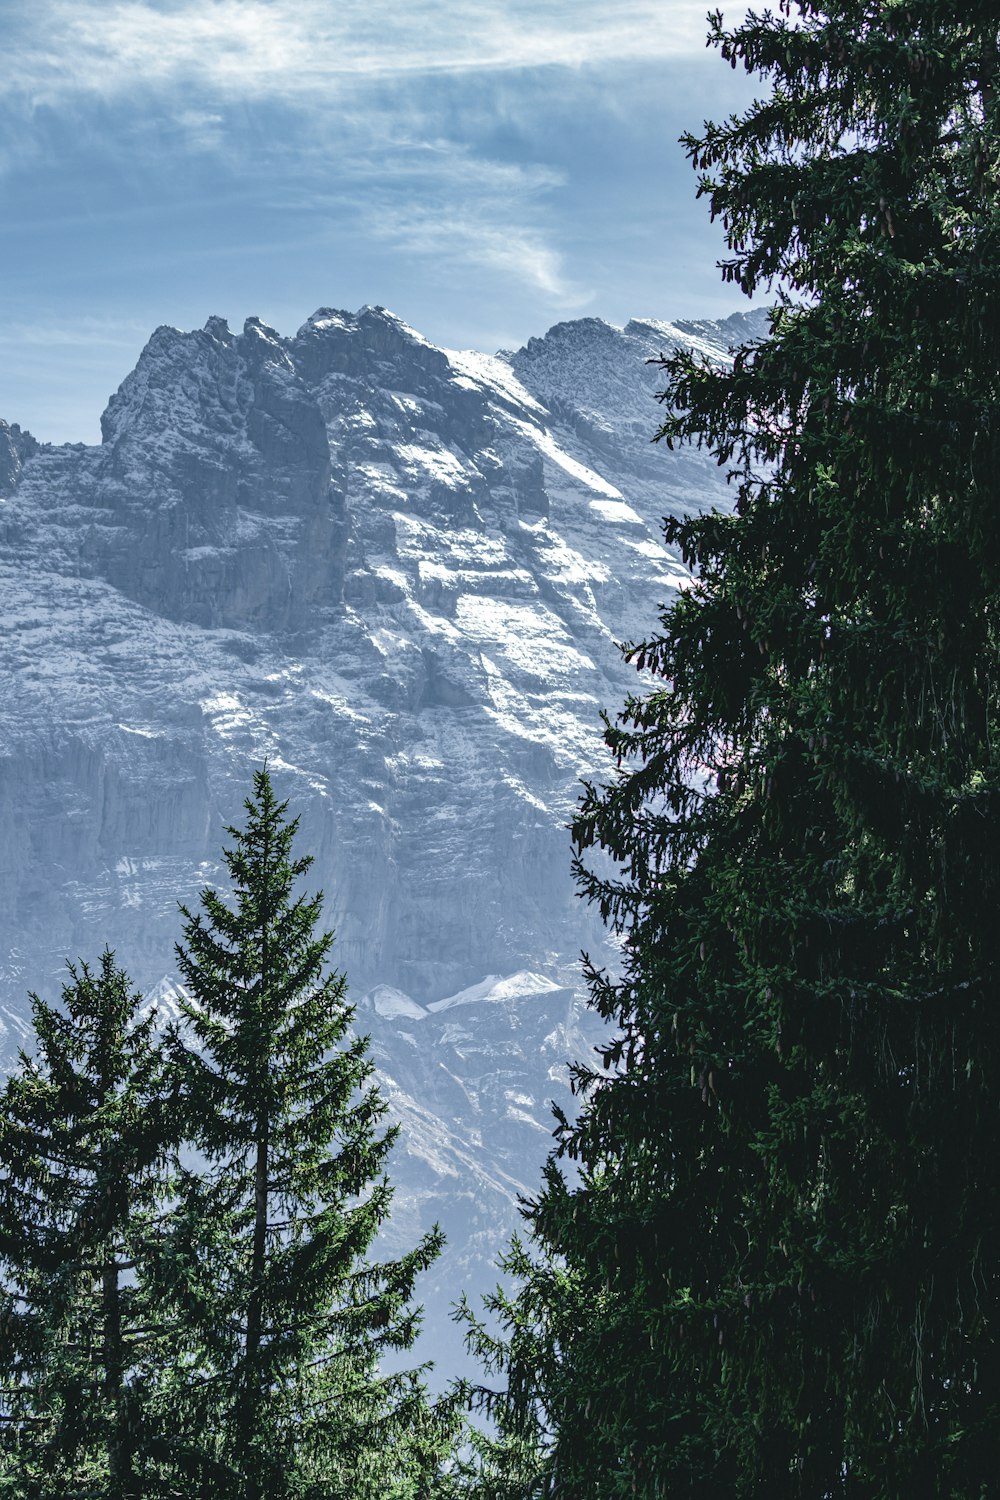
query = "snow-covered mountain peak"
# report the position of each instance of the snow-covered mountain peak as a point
(370, 344)
(348, 538)
(398, 572)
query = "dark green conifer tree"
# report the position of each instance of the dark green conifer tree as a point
(287, 1317)
(84, 1128)
(787, 1228)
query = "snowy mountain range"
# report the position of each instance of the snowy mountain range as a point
(399, 573)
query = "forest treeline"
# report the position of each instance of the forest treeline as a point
(764, 1259)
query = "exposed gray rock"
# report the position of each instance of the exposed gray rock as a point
(215, 468)
(15, 447)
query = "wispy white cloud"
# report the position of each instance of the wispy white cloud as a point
(297, 48)
(470, 235)
(203, 129)
(438, 201)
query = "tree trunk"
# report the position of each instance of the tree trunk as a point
(248, 1415)
(119, 1454)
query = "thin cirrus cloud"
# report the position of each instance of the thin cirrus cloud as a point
(437, 199)
(471, 237)
(268, 48)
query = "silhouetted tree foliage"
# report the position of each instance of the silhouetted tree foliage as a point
(785, 1234)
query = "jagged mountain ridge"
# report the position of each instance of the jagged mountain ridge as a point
(399, 573)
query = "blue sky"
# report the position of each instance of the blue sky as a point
(485, 168)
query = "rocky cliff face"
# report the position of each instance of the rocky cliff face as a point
(399, 573)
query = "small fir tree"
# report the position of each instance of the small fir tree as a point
(84, 1128)
(287, 1318)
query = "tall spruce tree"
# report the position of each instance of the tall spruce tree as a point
(279, 1388)
(84, 1131)
(787, 1229)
